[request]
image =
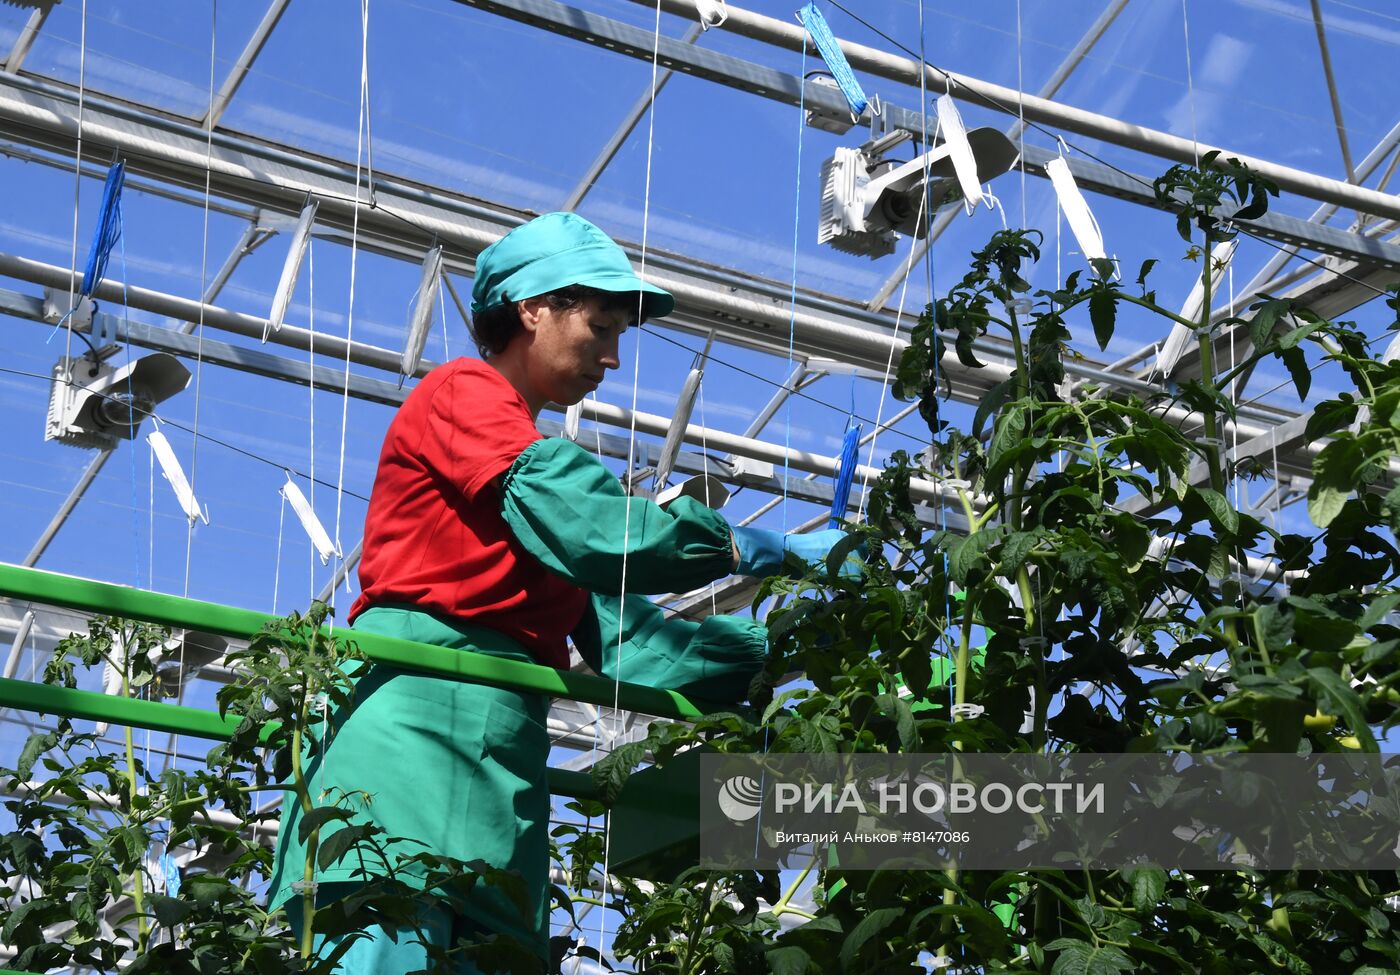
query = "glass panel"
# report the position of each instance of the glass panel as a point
(154, 52)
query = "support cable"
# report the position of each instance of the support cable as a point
(361, 140)
(631, 447)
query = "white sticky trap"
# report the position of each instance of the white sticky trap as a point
(1076, 210)
(571, 418)
(950, 123)
(175, 475)
(429, 286)
(282, 297)
(680, 419)
(320, 538)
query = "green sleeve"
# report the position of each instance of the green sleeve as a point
(715, 658)
(570, 512)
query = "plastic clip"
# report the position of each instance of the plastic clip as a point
(1031, 642)
(302, 886)
(968, 710)
(1020, 306)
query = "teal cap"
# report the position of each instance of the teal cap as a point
(555, 251)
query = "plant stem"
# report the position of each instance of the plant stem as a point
(781, 907)
(707, 902)
(138, 893)
(308, 874)
(1023, 388)
(1041, 704)
(1207, 347)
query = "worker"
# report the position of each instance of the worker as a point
(483, 535)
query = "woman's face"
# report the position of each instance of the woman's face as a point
(569, 351)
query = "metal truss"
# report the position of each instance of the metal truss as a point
(638, 43)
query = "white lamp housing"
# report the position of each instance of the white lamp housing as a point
(95, 404)
(867, 202)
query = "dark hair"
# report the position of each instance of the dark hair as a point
(493, 328)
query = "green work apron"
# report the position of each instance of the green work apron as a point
(459, 767)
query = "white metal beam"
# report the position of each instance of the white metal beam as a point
(240, 69)
(1000, 98)
(25, 39)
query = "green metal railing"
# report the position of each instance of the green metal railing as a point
(88, 595)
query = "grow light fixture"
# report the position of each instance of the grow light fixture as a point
(93, 404)
(869, 200)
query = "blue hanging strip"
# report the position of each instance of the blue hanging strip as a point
(812, 19)
(171, 874)
(841, 494)
(108, 230)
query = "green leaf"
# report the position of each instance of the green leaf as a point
(869, 926)
(1081, 958)
(1329, 417)
(1103, 311)
(1297, 365)
(1222, 512)
(318, 817)
(16, 917)
(1334, 478)
(1149, 884)
(905, 724)
(169, 911)
(970, 553)
(1345, 701)
(1015, 550)
(787, 960)
(340, 843)
(994, 400)
(1143, 271)
(37, 744)
(1010, 431)
(1377, 610)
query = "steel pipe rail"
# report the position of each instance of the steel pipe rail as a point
(882, 64)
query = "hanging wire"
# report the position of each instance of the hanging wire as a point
(203, 283)
(361, 138)
(1020, 114)
(1190, 85)
(792, 296)
(277, 567)
(77, 174)
(924, 205)
(311, 405)
(631, 448)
